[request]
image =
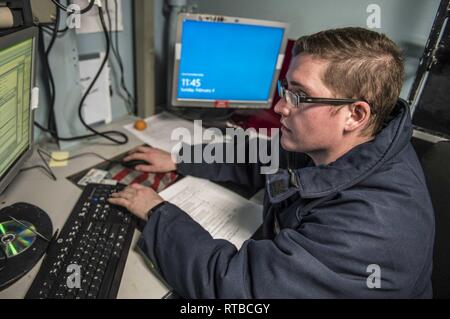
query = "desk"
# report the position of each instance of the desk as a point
(58, 199)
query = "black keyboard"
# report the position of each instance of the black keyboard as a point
(87, 260)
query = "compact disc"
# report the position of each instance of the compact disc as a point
(23, 248)
(16, 238)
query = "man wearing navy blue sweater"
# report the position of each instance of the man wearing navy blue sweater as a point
(348, 215)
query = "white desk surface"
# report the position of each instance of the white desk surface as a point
(58, 198)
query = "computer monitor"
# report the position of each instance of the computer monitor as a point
(227, 62)
(17, 74)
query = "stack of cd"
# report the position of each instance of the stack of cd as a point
(16, 238)
(20, 246)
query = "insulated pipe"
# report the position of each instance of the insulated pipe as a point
(176, 6)
(6, 18)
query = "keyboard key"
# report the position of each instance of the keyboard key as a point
(92, 242)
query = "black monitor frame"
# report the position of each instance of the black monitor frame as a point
(232, 104)
(8, 41)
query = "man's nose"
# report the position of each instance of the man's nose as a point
(282, 108)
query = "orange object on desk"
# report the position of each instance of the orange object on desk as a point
(140, 125)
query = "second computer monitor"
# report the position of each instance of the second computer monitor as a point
(227, 62)
(17, 65)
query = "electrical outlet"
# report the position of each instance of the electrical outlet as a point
(44, 11)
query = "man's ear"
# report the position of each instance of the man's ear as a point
(358, 116)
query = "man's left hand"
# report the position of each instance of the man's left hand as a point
(137, 199)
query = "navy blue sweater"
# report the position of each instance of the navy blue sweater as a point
(370, 207)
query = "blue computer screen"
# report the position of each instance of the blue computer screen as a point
(227, 62)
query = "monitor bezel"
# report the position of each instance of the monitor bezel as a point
(7, 41)
(231, 104)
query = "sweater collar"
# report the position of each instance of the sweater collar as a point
(361, 161)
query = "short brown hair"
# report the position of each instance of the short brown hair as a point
(363, 64)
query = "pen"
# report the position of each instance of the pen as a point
(30, 229)
(55, 236)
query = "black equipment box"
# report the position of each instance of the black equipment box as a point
(430, 93)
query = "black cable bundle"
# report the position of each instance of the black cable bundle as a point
(51, 88)
(66, 9)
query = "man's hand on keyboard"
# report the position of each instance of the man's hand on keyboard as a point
(158, 161)
(137, 199)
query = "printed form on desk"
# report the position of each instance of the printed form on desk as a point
(165, 131)
(160, 128)
(221, 212)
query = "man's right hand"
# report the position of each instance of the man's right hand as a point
(158, 161)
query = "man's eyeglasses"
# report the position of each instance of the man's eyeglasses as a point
(298, 99)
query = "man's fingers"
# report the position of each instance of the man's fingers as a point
(135, 156)
(129, 190)
(143, 149)
(145, 168)
(137, 186)
(140, 149)
(119, 201)
(128, 195)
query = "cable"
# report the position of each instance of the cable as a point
(45, 29)
(105, 60)
(41, 152)
(66, 9)
(51, 113)
(50, 84)
(46, 164)
(51, 90)
(115, 49)
(119, 62)
(130, 96)
(52, 130)
(50, 30)
(45, 168)
(37, 167)
(77, 156)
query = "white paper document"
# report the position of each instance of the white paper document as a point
(224, 214)
(162, 127)
(159, 130)
(97, 106)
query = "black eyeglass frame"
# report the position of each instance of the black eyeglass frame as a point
(282, 88)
